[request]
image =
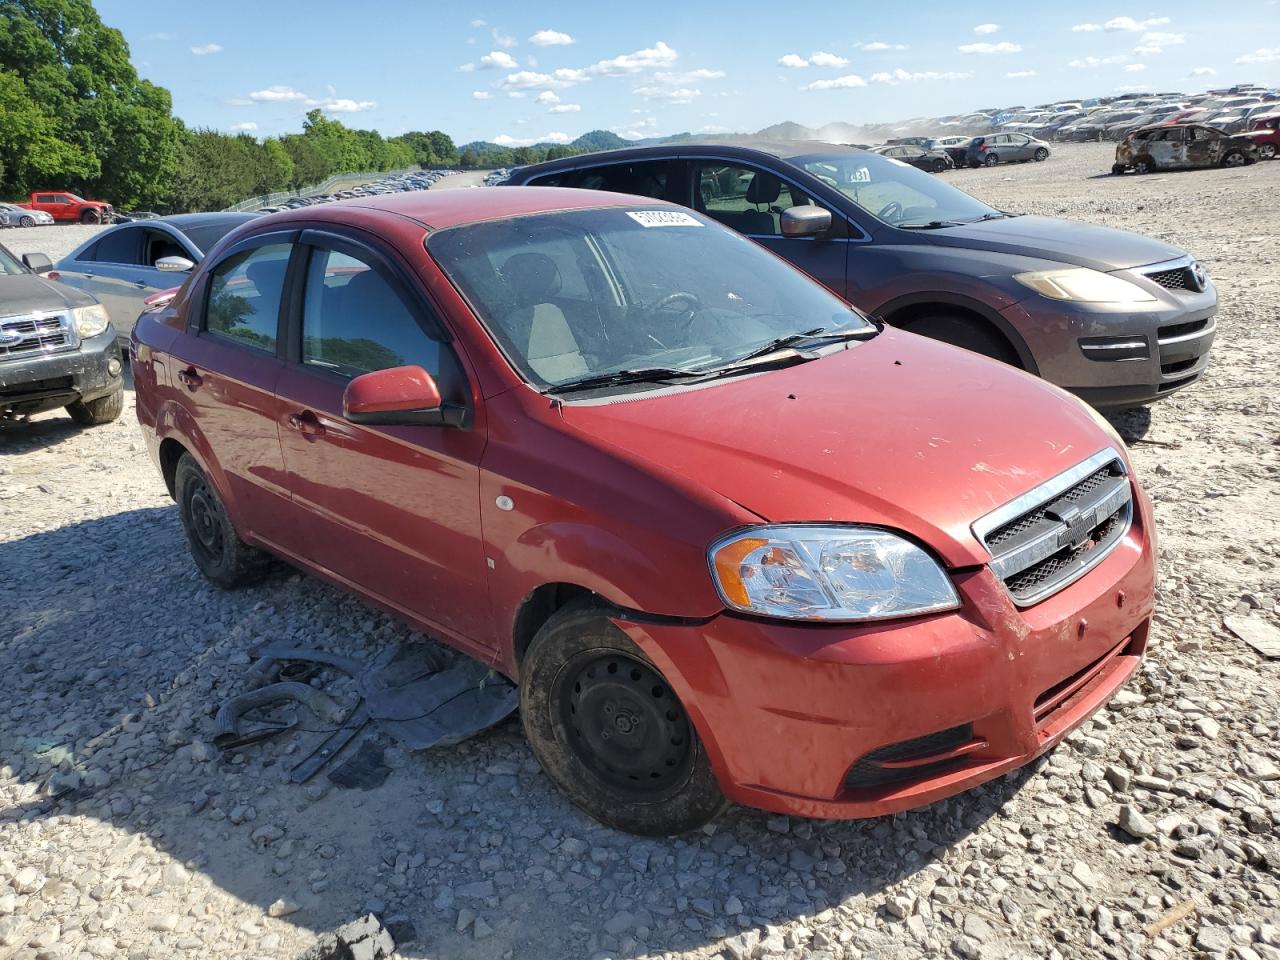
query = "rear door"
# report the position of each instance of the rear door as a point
(1019, 147)
(1204, 147)
(750, 199)
(225, 369)
(392, 510)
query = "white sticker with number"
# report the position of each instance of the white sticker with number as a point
(663, 218)
(861, 175)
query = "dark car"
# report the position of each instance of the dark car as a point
(1117, 318)
(123, 266)
(57, 347)
(930, 161)
(1182, 146)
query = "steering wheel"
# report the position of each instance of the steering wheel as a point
(673, 298)
(890, 211)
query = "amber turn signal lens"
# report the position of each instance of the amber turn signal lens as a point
(728, 561)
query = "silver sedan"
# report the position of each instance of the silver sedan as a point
(124, 265)
(13, 216)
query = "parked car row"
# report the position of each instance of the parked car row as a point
(392, 183)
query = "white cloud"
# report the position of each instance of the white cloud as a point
(1121, 23)
(161, 36)
(557, 138)
(502, 40)
(792, 61)
(481, 95)
(1162, 39)
(668, 94)
(206, 48)
(547, 96)
(902, 76)
(565, 108)
(875, 46)
(344, 105)
(551, 38)
(1086, 28)
(277, 94)
(496, 59)
(821, 59)
(516, 94)
(1004, 46)
(1203, 72)
(1020, 74)
(1143, 51)
(839, 83)
(478, 23)
(1135, 68)
(1082, 63)
(659, 55)
(688, 76)
(1261, 55)
(467, 68)
(986, 28)
(247, 127)
(506, 140)
(531, 80)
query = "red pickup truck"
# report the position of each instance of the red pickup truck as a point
(68, 208)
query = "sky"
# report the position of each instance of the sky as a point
(532, 72)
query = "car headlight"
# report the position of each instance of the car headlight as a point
(1082, 285)
(91, 320)
(803, 572)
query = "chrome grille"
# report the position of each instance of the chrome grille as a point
(35, 333)
(1052, 535)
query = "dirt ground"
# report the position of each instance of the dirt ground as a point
(123, 833)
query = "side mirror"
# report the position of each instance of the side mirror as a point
(174, 265)
(399, 396)
(37, 262)
(805, 221)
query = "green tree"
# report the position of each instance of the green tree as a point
(442, 146)
(469, 158)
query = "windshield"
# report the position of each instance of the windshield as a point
(582, 293)
(9, 265)
(895, 192)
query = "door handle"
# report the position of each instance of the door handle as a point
(190, 377)
(306, 423)
(140, 284)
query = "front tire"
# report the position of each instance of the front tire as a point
(93, 413)
(939, 166)
(1117, 169)
(90, 216)
(990, 159)
(27, 222)
(972, 335)
(215, 546)
(610, 732)
(1234, 158)
(1144, 165)
(1267, 151)
(1041, 154)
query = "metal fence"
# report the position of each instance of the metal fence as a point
(337, 182)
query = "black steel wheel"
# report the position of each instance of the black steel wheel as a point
(1235, 158)
(212, 539)
(610, 731)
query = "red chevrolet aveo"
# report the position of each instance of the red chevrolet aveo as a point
(734, 541)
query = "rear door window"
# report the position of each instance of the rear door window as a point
(244, 296)
(123, 246)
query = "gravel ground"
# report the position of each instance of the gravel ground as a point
(1154, 831)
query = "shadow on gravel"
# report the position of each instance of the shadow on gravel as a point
(1132, 423)
(114, 653)
(49, 429)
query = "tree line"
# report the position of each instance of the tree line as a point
(74, 115)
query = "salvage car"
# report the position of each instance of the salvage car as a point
(1182, 146)
(124, 266)
(1114, 317)
(1266, 135)
(733, 540)
(922, 158)
(57, 347)
(68, 208)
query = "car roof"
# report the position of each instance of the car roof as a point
(189, 221)
(744, 148)
(440, 209)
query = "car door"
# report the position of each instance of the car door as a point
(392, 510)
(751, 199)
(1204, 147)
(107, 270)
(1018, 147)
(224, 370)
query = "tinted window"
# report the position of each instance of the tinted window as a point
(160, 244)
(353, 322)
(117, 246)
(204, 237)
(648, 179)
(748, 200)
(244, 295)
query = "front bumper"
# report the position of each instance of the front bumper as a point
(787, 711)
(45, 381)
(1088, 349)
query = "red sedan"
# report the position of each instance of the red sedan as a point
(734, 541)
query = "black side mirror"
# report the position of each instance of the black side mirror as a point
(805, 221)
(37, 262)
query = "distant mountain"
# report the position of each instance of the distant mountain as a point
(787, 130)
(600, 140)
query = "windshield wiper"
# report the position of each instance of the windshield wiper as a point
(640, 375)
(931, 225)
(993, 216)
(792, 339)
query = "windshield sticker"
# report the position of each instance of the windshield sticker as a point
(860, 175)
(663, 218)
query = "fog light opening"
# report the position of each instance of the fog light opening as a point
(114, 367)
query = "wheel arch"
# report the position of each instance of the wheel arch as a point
(539, 606)
(900, 312)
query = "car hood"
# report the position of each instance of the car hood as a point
(899, 432)
(1066, 241)
(29, 292)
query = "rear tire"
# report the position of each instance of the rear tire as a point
(972, 335)
(90, 216)
(93, 413)
(1267, 151)
(1234, 158)
(610, 732)
(939, 166)
(215, 546)
(1117, 169)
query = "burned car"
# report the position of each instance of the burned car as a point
(1182, 146)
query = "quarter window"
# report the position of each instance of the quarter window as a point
(244, 295)
(353, 322)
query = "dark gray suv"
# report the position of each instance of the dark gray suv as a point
(1114, 317)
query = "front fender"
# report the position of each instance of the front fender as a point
(949, 298)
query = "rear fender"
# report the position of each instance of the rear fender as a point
(174, 421)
